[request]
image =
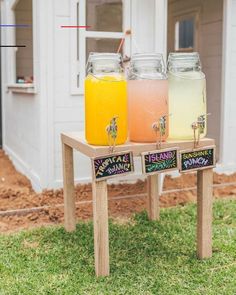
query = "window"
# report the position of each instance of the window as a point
(24, 36)
(103, 15)
(22, 70)
(185, 33)
(106, 22)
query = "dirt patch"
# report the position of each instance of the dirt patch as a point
(16, 193)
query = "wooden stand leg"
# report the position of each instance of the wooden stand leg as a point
(69, 190)
(204, 213)
(153, 197)
(101, 236)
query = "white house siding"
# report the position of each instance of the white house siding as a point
(33, 123)
(69, 109)
(21, 113)
(211, 54)
(228, 136)
(21, 132)
(209, 45)
(143, 26)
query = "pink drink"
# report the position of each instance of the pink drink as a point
(147, 102)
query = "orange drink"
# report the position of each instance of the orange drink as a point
(105, 100)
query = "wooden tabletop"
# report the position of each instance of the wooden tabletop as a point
(77, 141)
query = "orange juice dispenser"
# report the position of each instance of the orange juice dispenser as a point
(187, 96)
(147, 98)
(105, 100)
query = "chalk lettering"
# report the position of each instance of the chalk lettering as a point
(199, 159)
(159, 161)
(113, 165)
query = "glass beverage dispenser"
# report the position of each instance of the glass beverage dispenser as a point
(147, 98)
(187, 95)
(105, 100)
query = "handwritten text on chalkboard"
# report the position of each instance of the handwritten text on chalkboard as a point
(197, 159)
(159, 161)
(113, 165)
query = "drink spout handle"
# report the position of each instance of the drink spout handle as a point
(112, 131)
(160, 126)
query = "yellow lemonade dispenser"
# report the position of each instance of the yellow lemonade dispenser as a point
(187, 96)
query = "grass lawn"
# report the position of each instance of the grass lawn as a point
(146, 257)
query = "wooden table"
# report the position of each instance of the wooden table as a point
(75, 140)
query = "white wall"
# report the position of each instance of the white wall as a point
(21, 113)
(68, 111)
(228, 130)
(143, 26)
(33, 123)
(211, 55)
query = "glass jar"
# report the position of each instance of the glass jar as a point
(187, 95)
(105, 100)
(147, 98)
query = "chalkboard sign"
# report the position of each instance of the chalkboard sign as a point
(197, 159)
(112, 165)
(160, 161)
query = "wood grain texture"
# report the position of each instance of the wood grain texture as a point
(75, 140)
(69, 190)
(204, 213)
(153, 206)
(101, 236)
(78, 142)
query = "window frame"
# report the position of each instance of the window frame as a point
(78, 47)
(29, 88)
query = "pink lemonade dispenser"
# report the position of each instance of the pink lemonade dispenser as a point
(147, 98)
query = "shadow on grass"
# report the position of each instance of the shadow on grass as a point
(139, 244)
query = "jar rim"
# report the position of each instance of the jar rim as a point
(184, 56)
(149, 65)
(184, 60)
(146, 56)
(147, 59)
(98, 56)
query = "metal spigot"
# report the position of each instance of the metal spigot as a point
(199, 125)
(160, 126)
(112, 131)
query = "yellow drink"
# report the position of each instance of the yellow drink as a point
(105, 98)
(187, 101)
